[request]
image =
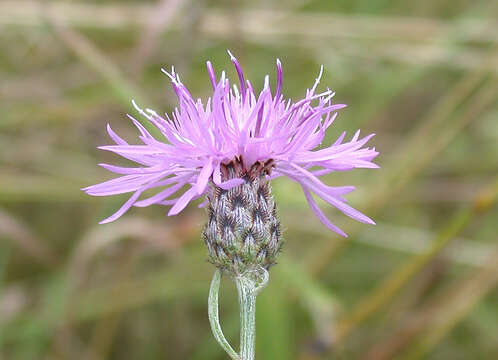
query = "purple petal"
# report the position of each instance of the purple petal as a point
(320, 215)
(183, 201)
(240, 73)
(227, 185)
(131, 149)
(212, 76)
(160, 196)
(128, 204)
(129, 171)
(204, 176)
(115, 136)
(279, 80)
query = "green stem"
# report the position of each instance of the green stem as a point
(247, 303)
(214, 319)
(249, 284)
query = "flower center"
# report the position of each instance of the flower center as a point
(237, 169)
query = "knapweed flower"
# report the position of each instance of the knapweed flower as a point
(237, 139)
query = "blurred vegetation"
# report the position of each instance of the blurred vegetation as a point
(422, 284)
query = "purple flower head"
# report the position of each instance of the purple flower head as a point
(262, 133)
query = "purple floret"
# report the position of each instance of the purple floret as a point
(235, 124)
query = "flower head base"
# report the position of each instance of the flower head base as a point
(243, 231)
(265, 135)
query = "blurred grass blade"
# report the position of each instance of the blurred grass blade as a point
(4, 261)
(398, 278)
(433, 143)
(455, 306)
(122, 88)
(161, 17)
(15, 230)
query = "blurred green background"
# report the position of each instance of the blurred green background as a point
(419, 285)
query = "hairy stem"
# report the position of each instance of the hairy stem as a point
(248, 286)
(214, 319)
(247, 303)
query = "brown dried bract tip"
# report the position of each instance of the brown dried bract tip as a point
(243, 231)
(237, 168)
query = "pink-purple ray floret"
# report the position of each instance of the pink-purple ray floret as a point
(235, 123)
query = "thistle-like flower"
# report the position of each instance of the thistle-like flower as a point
(229, 148)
